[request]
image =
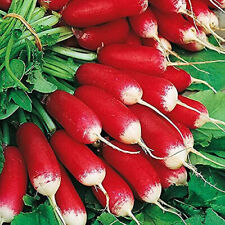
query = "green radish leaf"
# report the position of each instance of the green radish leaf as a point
(215, 77)
(91, 202)
(106, 219)
(174, 192)
(31, 201)
(21, 99)
(42, 215)
(194, 220)
(215, 106)
(197, 160)
(40, 84)
(18, 68)
(5, 113)
(213, 218)
(218, 205)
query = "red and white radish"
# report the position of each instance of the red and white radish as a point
(69, 202)
(42, 165)
(91, 12)
(53, 4)
(13, 184)
(97, 36)
(121, 199)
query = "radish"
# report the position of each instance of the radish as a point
(181, 79)
(13, 184)
(117, 120)
(192, 114)
(84, 165)
(121, 199)
(132, 39)
(180, 31)
(91, 12)
(42, 165)
(94, 37)
(69, 202)
(53, 4)
(159, 135)
(138, 172)
(5, 4)
(79, 121)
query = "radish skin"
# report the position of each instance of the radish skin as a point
(5, 4)
(69, 202)
(53, 4)
(132, 39)
(91, 12)
(94, 37)
(13, 184)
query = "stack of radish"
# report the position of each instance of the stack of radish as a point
(131, 94)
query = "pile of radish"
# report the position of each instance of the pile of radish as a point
(123, 130)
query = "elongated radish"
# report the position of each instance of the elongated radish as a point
(84, 165)
(117, 120)
(169, 6)
(69, 202)
(139, 174)
(91, 12)
(79, 121)
(5, 4)
(137, 58)
(13, 184)
(180, 31)
(181, 79)
(159, 135)
(53, 4)
(132, 39)
(121, 199)
(42, 165)
(94, 37)
(193, 117)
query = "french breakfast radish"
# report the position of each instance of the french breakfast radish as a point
(91, 12)
(5, 4)
(121, 199)
(53, 4)
(82, 163)
(13, 184)
(159, 135)
(42, 165)
(69, 202)
(97, 36)
(132, 39)
(79, 121)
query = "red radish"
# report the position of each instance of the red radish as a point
(83, 164)
(193, 117)
(97, 36)
(42, 165)
(121, 199)
(79, 121)
(5, 4)
(13, 184)
(159, 135)
(169, 6)
(91, 12)
(71, 42)
(53, 4)
(180, 31)
(117, 120)
(132, 39)
(181, 79)
(137, 58)
(69, 202)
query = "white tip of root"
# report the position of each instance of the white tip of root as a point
(180, 179)
(202, 119)
(131, 95)
(75, 218)
(123, 207)
(152, 194)
(92, 131)
(170, 98)
(6, 214)
(177, 155)
(93, 177)
(47, 184)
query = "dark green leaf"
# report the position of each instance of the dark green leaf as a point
(194, 220)
(218, 205)
(22, 99)
(174, 192)
(212, 218)
(106, 219)
(11, 108)
(18, 68)
(30, 200)
(40, 84)
(42, 215)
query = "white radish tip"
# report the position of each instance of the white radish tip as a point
(152, 193)
(179, 179)
(170, 98)
(123, 206)
(202, 119)
(6, 214)
(93, 177)
(47, 184)
(131, 95)
(181, 6)
(177, 155)
(75, 218)
(93, 131)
